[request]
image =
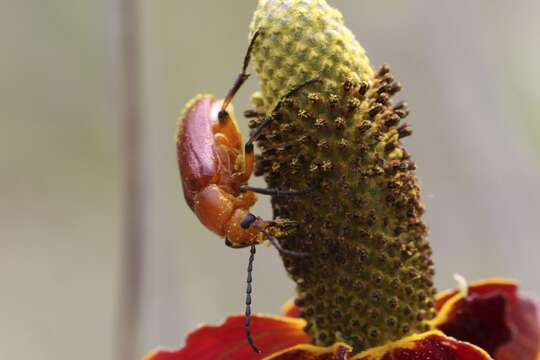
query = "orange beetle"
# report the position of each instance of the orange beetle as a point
(215, 171)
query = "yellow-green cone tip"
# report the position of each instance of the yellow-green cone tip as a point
(304, 39)
(368, 277)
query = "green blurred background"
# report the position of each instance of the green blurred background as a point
(471, 74)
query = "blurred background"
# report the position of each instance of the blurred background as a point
(471, 75)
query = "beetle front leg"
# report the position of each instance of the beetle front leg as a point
(249, 156)
(273, 192)
(270, 117)
(257, 222)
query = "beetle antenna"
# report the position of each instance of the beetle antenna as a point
(253, 250)
(239, 81)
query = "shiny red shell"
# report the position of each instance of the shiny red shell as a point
(201, 161)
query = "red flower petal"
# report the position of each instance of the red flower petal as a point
(493, 316)
(337, 351)
(228, 341)
(480, 320)
(525, 344)
(482, 287)
(432, 345)
(290, 309)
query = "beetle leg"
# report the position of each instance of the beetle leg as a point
(282, 221)
(248, 147)
(273, 192)
(293, 91)
(277, 245)
(268, 119)
(223, 115)
(256, 132)
(251, 219)
(249, 160)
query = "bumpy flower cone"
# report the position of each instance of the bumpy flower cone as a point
(368, 277)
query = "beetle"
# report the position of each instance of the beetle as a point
(215, 170)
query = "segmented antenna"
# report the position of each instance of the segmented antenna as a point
(253, 250)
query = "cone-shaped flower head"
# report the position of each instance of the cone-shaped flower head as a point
(368, 277)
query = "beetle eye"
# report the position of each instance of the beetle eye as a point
(247, 221)
(222, 116)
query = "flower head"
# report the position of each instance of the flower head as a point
(368, 277)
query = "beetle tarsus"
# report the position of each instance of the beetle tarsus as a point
(249, 280)
(273, 192)
(281, 221)
(278, 246)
